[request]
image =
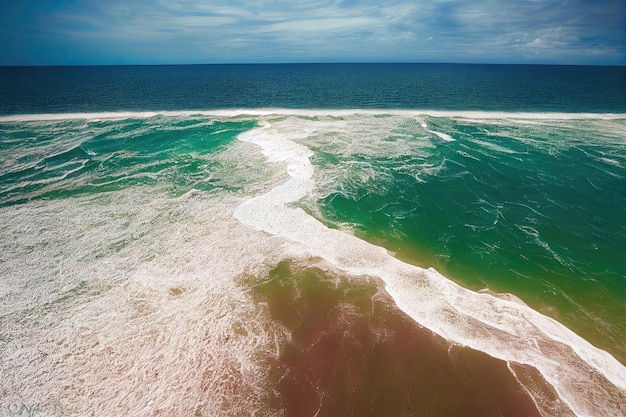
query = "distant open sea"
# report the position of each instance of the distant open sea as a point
(313, 239)
(514, 88)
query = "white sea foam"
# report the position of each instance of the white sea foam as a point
(590, 381)
(126, 303)
(469, 116)
(443, 136)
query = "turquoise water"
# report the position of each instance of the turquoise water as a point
(533, 208)
(50, 160)
(124, 237)
(145, 252)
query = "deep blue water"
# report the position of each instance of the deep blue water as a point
(537, 88)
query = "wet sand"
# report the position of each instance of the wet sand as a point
(349, 351)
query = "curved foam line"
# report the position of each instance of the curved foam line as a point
(257, 112)
(443, 136)
(502, 328)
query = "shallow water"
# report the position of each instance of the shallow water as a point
(349, 351)
(136, 250)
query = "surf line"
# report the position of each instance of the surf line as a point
(588, 380)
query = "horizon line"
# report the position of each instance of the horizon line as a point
(310, 63)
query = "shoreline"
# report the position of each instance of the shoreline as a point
(513, 333)
(348, 349)
(254, 218)
(285, 112)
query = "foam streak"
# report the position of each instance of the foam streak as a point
(588, 380)
(475, 116)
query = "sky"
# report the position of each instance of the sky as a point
(93, 32)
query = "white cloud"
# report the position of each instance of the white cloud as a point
(454, 30)
(320, 25)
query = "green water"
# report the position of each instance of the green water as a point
(536, 209)
(50, 160)
(107, 222)
(531, 207)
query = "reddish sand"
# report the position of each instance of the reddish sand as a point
(354, 353)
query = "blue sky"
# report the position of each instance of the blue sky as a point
(67, 32)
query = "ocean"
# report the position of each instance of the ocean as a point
(313, 239)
